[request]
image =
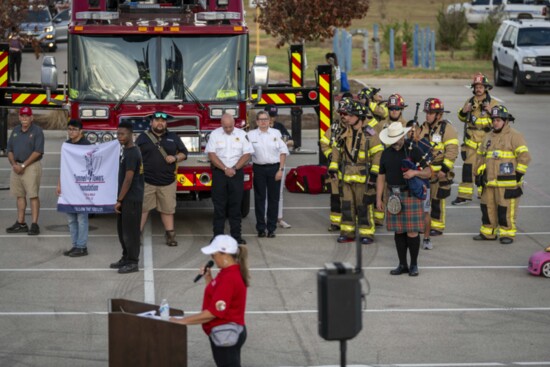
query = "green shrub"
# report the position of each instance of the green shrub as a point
(401, 33)
(484, 35)
(452, 30)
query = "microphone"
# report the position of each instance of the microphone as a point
(209, 264)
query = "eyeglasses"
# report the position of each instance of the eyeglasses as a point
(72, 129)
(394, 109)
(160, 115)
(344, 114)
(264, 119)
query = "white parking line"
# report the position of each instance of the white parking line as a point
(18, 235)
(148, 273)
(451, 207)
(194, 270)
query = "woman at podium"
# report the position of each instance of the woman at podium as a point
(224, 303)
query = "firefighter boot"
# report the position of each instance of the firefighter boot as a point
(170, 237)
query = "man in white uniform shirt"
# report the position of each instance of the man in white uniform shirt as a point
(229, 151)
(268, 160)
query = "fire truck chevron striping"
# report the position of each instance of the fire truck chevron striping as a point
(277, 98)
(296, 70)
(34, 99)
(4, 68)
(324, 104)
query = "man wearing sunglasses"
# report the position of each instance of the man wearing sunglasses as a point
(161, 150)
(357, 149)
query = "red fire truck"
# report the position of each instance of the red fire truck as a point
(189, 59)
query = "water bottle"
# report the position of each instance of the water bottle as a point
(164, 310)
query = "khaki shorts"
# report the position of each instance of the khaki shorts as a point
(163, 198)
(26, 185)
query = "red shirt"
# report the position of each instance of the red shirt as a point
(225, 298)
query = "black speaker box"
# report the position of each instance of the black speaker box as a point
(339, 302)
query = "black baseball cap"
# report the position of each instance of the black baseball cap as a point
(272, 110)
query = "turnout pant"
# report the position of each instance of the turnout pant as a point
(466, 187)
(227, 197)
(355, 208)
(499, 211)
(128, 228)
(335, 206)
(439, 191)
(265, 186)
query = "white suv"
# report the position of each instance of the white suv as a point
(521, 54)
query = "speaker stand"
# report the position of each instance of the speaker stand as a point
(343, 346)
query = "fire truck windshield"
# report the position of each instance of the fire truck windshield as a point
(104, 68)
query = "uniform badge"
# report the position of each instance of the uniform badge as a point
(506, 168)
(274, 139)
(237, 139)
(436, 138)
(221, 306)
(495, 154)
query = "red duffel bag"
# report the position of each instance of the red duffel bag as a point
(307, 179)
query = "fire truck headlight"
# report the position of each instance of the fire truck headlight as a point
(101, 113)
(216, 112)
(107, 137)
(92, 137)
(86, 113)
(232, 111)
(48, 29)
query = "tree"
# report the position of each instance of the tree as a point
(11, 14)
(308, 20)
(452, 29)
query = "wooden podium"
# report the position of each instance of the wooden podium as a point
(142, 341)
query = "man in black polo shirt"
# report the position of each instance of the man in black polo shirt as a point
(25, 151)
(161, 150)
(129, 200)
(409, 220)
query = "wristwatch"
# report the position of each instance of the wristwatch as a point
(22, 165)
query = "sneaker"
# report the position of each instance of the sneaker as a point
(119, 264)
(128, 268)
(34, 230)
(18, 228)
(427, 244)
(284, 224)
(460, 201)
(76, 252)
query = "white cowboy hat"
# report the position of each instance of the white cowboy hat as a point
(393, 133)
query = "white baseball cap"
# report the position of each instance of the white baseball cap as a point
(221, 243)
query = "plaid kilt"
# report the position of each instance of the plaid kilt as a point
(410, 218)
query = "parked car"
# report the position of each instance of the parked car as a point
(61, 24)
(38, 25)
(539, 263)
(521, 54)
(477, 11)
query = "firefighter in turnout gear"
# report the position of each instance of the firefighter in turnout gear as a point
(355, 151)
(396, 105)
(327, 142)
(477, 122)
(373, 101)
(444, 140)
(502, 160)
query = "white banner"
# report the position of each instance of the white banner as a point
(89, 178)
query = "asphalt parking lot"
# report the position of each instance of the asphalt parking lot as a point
(474, 304)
